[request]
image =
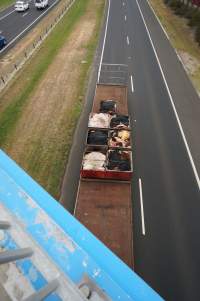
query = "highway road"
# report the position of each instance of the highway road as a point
(14, 25)
(165, 110)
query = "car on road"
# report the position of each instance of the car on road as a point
(3, 42)
(21, 5)
(40, 4)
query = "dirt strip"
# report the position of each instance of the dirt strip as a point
(40, 142)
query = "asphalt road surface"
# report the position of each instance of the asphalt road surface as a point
(14, 25)
(165, 110)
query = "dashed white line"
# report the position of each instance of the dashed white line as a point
(172, 102)
(127, 40)
(7, 15)
(25, 14)
(104, 41)
(123, 3)
(132, 87)
(125, 17)
(142, 207)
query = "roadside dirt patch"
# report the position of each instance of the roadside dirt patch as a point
(191, 63)
(39, 142)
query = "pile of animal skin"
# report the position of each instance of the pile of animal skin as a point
(119, 160)
(97, 137)
(108, 106)
(119, 138)
(94, 161)
(99, 120)
(119, 121)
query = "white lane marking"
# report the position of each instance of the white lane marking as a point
(132, 87)
(125, 18)
(3, 17)
(172, 102)
(127, 40)
(104, 41)
(158, 20)
(142, 207)
(123, 4)
(25, 14)
(21, 33)
(116, 64)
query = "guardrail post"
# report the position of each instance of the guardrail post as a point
(3, 80)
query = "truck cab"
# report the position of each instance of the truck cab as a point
(21, 5)
(41, 4)
(3, 42)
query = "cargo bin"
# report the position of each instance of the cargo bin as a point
(105, 172)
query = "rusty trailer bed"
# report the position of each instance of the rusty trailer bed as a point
(105, 208)
(117, 93)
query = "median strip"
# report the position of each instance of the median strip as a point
(38, 113)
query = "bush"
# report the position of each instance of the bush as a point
(174, 4)
(190, 12)
(197, 35)
(182, 10)
(195, 19)
(166, 1)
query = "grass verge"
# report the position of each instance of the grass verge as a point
(25, 85)
(181, 37)
(5, 3)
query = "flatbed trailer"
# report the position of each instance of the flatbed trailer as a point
(104, 206)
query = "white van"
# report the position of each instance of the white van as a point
(40, 4)
(21, 5)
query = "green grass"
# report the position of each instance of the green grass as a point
(5, 3)
(48, 166)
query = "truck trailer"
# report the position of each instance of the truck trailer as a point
(103, 201)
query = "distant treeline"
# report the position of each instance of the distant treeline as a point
(190, 10)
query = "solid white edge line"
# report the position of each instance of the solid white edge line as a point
(158, 20)
(104, 41)
(76, 202)
(172, 102)
(127, 39)
(142, 207)
(3, 17)
(21, 33)
(132, 87)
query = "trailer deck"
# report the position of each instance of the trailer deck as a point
(104, 207)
